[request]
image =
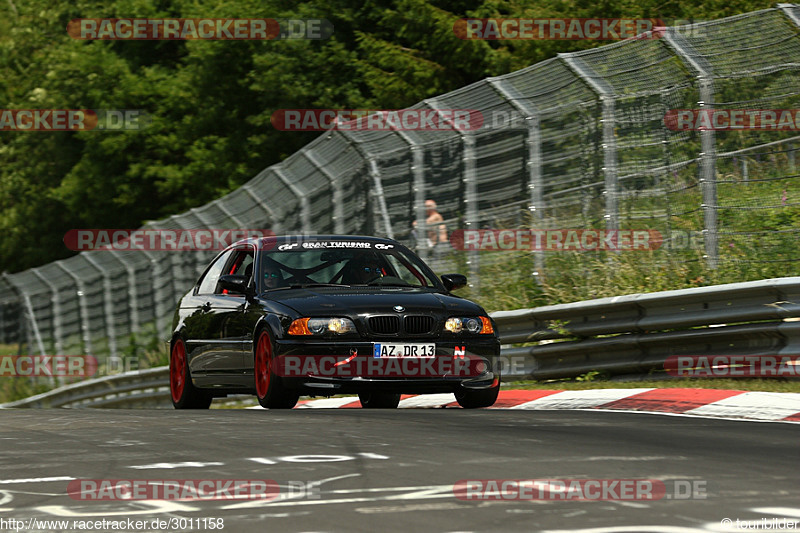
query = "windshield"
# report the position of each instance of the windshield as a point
(345, 263)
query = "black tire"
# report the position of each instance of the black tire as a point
(379, 400)
(182, 391)
(270, 390)
(473, 399)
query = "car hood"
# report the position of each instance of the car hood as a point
(367, 301)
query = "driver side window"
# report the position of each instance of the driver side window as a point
(240, 264)
(208, 283)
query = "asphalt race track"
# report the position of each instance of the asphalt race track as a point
(395, 470)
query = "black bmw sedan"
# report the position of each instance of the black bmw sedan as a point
(281, 317)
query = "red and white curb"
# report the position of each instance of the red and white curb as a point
(712, 403)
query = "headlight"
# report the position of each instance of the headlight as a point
(473, 325)
(453, 325)
(321, 326)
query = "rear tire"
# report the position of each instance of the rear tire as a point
(379, 400)
(473, 399)
(270, 390)
(183, 392)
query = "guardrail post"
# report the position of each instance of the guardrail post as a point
(708, 177)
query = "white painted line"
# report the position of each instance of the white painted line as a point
(579, 399)
(629, 529)
(428, 400)
(759, 405)
(35, 480)
(188, 464)
(787, 512)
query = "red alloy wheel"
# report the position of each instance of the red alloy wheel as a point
(177, 370)
(263, 365)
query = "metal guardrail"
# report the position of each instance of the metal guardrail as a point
(624, 334)
(637, 332)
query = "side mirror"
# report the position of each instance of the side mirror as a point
(236, 284)
(454, 281)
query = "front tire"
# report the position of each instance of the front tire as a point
(473, 399)
(379, 400)
(270, 390)
(183, 392)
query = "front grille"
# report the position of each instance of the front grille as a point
(385, 325)
(418, 324)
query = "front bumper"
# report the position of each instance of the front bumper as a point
(457, 366)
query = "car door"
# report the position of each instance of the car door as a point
(236, 319)
(210, 353)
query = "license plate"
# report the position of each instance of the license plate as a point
(383, 349)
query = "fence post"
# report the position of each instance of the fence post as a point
(305, 204)
(606, 95)
(788, 10)
(708, 159)
(418, 173)
(534, 164)
(58, 330)
(86, 335)
(377, 192)
(157, 274)
(471, 220)
(34, 327)
(375, 172)
(108, 303)
(277, 226)
(336, 188)
(133, 297)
